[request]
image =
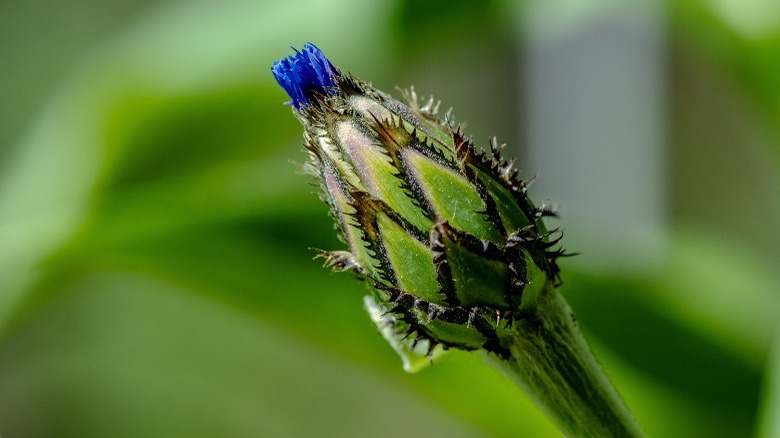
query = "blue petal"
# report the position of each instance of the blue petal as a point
(304, 73)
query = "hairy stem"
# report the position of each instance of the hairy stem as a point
(550, 360)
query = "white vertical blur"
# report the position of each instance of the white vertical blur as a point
(595, 106)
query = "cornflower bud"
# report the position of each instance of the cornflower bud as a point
(454, 251)
(446, 236)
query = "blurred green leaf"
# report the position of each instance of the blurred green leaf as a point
(155, 240)
(770, 413)
(110, 360)
(700, 324)
(107, 110)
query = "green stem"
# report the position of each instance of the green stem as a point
(551, 361)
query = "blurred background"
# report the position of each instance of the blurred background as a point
(156, 277)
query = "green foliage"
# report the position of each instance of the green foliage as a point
(154, 272)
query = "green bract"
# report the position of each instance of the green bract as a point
(445, 235)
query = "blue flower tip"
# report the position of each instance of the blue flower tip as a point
(305, 72)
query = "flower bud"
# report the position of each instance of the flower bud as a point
(445, 235)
